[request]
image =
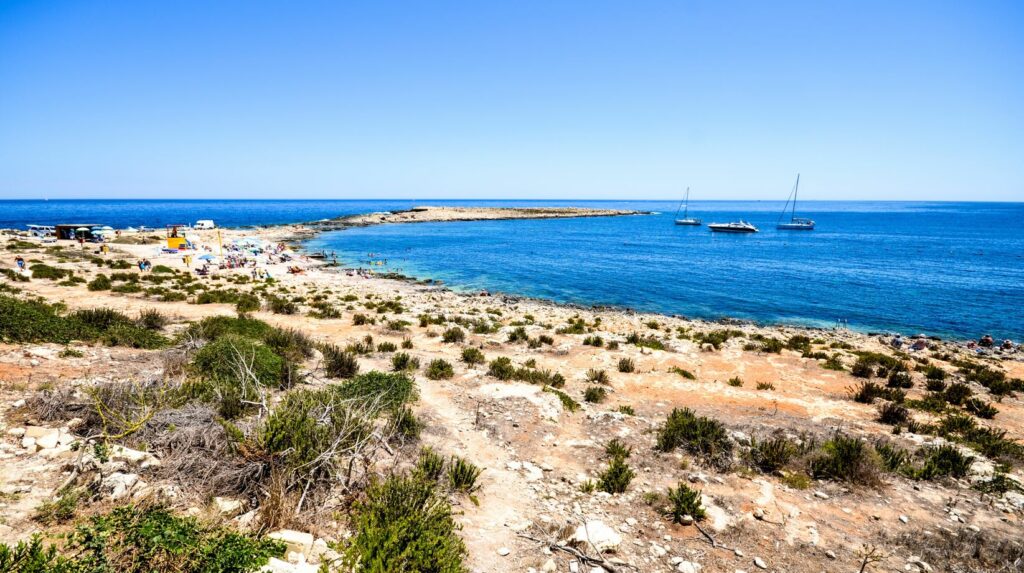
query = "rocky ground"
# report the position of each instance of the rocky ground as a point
(536, 508)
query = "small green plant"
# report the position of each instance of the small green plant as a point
(626, 365)
(404, 524)
(773, 454)
(684, 502)
(846, 458)
(765, 386)
(453, 335)
(472, 355)
(698, 435)
(682, 372)
(501, 368)
(430, 464)
(735, 381)
(101, 282)
(386, 346)
(596, 376)
(595, 394)
(406, 425)
(588, 486)
(893, 414)
(462, 475)
(626, 409)
(402, 362)
(616, 449)
(616, 478)
(439, 369)
(568, 403)
(339, 363)
(60, 510)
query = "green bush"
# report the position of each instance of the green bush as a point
(229, 357)
(143, 540)
(773, 454)
(980, 408)
(462, 475)
(430, 464)
(595, 394)
(406, 425)
(471, 355)
(380, 391)
(59, 510)
(597, 376)
(402, 362)
(453, 335)
(439, 369)
(682, 372)
(698, 435)
(247, 303)
(339, 363)
(616, 478)
(404, 524)
(893, 414)
(214, 327)
(289, 343)
(101, 282)
(626, 365)
(943, 461)
(568, 403)
(616, 449)
(846, 458)
(386, 346)
(684, 502)
(958, 393)
(517, 334)
(310, 429)
(41, 271)
(279, 305)
(152, 319)
(501, 368)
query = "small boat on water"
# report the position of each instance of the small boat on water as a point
(685, 205)
(795, 223)
(740, 226)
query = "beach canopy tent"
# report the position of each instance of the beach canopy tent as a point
(69, 231)
(206, 257)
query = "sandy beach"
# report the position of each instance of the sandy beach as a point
(541, 442)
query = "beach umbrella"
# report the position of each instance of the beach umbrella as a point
(206, 257)
(82, 230)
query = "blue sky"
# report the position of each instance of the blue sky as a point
(552, 99)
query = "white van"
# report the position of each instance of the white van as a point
(205, 224)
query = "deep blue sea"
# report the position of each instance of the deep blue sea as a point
(951, 269)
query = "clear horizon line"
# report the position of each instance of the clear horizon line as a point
(392, 199)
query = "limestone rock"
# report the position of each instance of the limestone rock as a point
(297, 541)
(597, 534)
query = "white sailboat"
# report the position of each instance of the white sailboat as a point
(686, 220)
(795, 223)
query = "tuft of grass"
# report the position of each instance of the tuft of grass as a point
(501, 368)
(568, 403)
(626, 409)
(735, 381)
(60, 510)
(893, 414)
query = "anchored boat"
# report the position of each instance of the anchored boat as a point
(795, 223)
(685, 205)
(740, 226)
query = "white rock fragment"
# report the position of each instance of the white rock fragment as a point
(597, 535)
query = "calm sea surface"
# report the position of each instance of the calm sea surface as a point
(952, 269)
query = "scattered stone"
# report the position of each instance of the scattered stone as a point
(820, 495)
(830, 554)
(688, 567)
(598, 535)
(227, 506)
(504, 551)
(549, 566)
(297, 541)
(760, 563)
(904, 519)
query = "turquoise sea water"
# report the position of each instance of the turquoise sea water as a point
(951, 269)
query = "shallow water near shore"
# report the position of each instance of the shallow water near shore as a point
(951, 269)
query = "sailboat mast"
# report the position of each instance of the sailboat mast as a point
(796, 189)
(686, 212)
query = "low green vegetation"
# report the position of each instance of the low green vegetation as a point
(24, 320)
(701, 436)
(142, 540)
(684, 502)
